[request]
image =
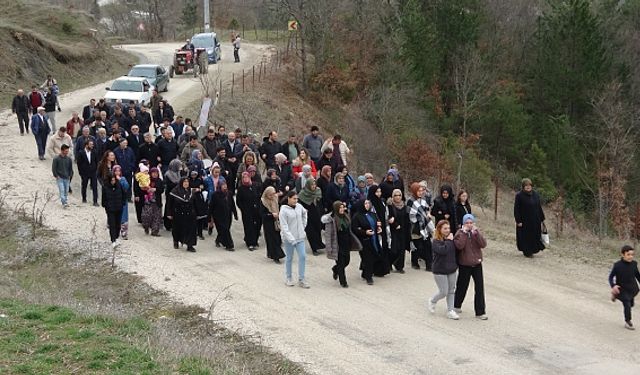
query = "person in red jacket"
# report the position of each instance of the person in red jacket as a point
(469, 244)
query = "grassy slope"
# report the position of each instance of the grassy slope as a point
(63, 312)
(40, 40)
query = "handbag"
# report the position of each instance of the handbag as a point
(276, 224)
(545, 235)
(356, 245)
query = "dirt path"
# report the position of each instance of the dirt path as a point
(545, 315)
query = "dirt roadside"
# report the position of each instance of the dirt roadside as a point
(547, 315)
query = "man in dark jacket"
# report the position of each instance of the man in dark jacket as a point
(234, 153)
(87, 111)
(327, 159)
(167, 149)
(40, 130)
(87, 160)
(623, 279)
(210, 143)
(127, 160)
(144, 120)
(20, 106)
(130, 120)
(269, 149)
(149, 151)
(81, 141)
(135, 139)
(62, 169)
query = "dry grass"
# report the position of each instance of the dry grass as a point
(178, 339)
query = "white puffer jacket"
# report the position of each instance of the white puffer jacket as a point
(292, 223)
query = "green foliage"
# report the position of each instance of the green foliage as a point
(189, 15)
(233, 24)
(476, 178)
(535, 168)
(504, 128)
(67, 27)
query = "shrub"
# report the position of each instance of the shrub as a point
(67, 27)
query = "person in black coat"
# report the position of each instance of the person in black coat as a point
(310, 197)
(337, 191)
(149, 151)
(364, 226)
(248, 198)
(144, 120)
(181, 211)
(221, 208)
(135, 139)
(270, 211)
(527, 211)
(284, 171)
(444, 207)
(20, 107)
(164, 111)
(114, 197)
(87, 160)
(390, 183)
(400, 228)
(202, 210)
(167, 150)
(463, 207)
(380, 209)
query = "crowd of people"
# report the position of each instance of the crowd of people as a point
(193, 180)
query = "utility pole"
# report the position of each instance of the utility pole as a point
(207, 17)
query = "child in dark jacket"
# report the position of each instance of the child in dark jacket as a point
(623, 279)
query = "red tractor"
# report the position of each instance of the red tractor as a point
(183, 60)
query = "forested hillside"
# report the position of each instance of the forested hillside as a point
(484, 92)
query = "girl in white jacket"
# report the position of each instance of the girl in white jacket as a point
(293, 220)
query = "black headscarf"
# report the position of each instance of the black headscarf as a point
(180, 192)
(376, 201)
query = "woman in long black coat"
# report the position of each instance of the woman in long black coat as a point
(113, 199)
(182, 213)
(444, 207)
(364, 226)
(527, 211)
(202, 210)
(248, 198)
(310, 198)
(222, 207)
(171, 180)
(400, 228)
(270, 210)
(380, 207)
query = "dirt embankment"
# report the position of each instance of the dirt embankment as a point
(40, 40)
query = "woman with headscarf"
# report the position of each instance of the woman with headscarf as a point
(444, 207)
(222, 207)
(348, 180)
(256, 179)
(211, 185)
(324, 180)
(270, 211)
(337, 191)
(248, 160)
(302, 178)
(400, 228)
(529, 217)
(283, 170)
(340, 240)
(248, 198)
(124, 220)
(310, 198)
(380, 209)
(422, 226)
(152, 209)
(182, 213)
(274, 181)
(171, 179)
(364, 225)
(114, 197)
(302, 160)
(390, 183)
(196, 163)
(202, 208)
(463, 207)
(359, 192)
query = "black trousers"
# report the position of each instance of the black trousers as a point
(465, 273)
(23, 121)
(627, 304)
(224, 237)
(344, 257)
(236, 54)
(89, 180)
(366, 264)
(114, 221)
(422, 251)
(398, 263)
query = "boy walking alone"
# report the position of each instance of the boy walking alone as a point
(623, 279)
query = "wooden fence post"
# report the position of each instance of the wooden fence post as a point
(253, 78)
(233, 82)
(242, 80)
(260, 73)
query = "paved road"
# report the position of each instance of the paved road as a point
(546, 316)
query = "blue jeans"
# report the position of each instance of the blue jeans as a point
(63, 188)
(302, 256)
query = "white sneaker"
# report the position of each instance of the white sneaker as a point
(289, 282)
(304, 284)
(113, 244)
(457, 310)
(628, 325)
(482, 317)
(431, 306)
(452, 315)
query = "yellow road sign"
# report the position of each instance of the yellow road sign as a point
(292, 25)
